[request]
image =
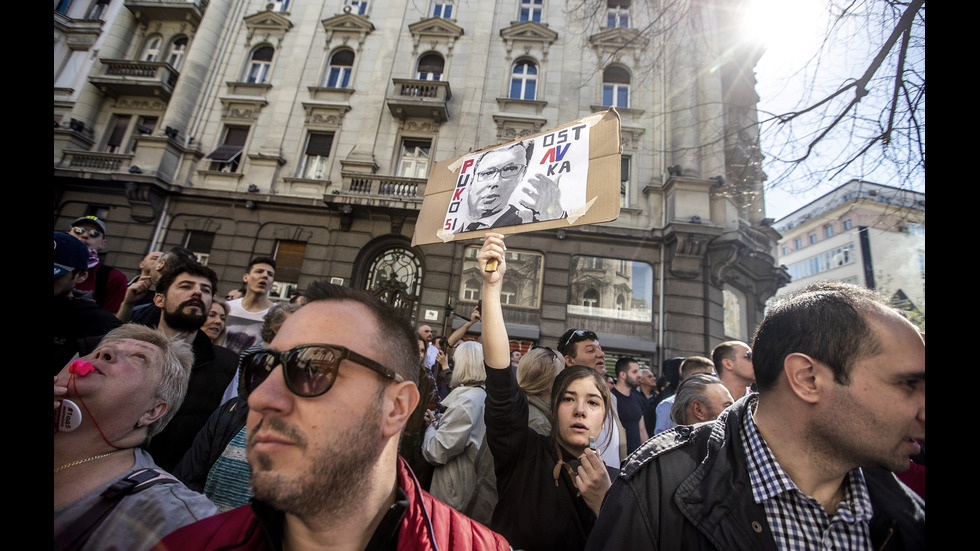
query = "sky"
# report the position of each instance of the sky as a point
(791, 31)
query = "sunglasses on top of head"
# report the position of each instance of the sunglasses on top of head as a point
(309, 370)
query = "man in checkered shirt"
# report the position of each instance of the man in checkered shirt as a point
(807, 463)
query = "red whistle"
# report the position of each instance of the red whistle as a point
(81, 368)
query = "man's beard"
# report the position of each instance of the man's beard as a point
(179, 320)
(332, 480)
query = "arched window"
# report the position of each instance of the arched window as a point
(177, 51)
(399, 265)
(508, 293)
(430, 67)
(258, 69)
(590, 299)
(472, 288)
(524, 80)
(338, 73)
(151, 52)
(615, 87)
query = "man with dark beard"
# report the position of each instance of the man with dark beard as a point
(323, 429)
(184, 297)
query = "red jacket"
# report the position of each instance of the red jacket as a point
(240, 529)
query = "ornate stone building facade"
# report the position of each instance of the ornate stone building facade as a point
(306, 129)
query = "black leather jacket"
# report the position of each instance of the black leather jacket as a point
(689, 488)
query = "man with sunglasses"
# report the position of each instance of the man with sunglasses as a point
(504, 195)
(733, 360)
(107, 284)
(328, 402)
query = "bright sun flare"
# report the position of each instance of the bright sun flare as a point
(789, 29)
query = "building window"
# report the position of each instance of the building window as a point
(199, 243)
(615, 87)
(97, 10)
(357, 6)
(918, 230)
(471, 289)
(258, 68)
(812, 238)
(624, 181)
(62, 6)
(430, 67)
(828, 231)
(524, 80)
(120, 127)
(531, 10)
(443, 9)
(280, 6)
(338, 73)
(785, 249)
(124, 130)
(414, 159)
(590, 300)
(177, 51)
(610, 288)
(316, 156)
(523, 287)
(398, 267)
(822, 262)
(847, 224)
(618, 14)
(151, 52)
(289, 262)
(797, 243)
(735, 304)
(228, 155)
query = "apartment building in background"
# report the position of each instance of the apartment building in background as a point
(306, 130)
(864, 233)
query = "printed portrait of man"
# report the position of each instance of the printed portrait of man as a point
(502, 193)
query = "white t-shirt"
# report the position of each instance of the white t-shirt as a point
(244, 327)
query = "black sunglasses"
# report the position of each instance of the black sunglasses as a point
(309, 370)
(79, 230)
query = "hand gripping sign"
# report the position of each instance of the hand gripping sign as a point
(566, 176)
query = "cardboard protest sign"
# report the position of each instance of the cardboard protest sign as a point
(565, 176)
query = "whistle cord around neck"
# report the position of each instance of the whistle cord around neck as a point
(74, 383)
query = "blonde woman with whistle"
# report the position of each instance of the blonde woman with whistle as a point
(108, 492)
(549, 487)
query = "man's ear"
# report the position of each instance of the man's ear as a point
(80, 277)
(803, 374)
(700, 412)
(245, 277)
(158, 299)
(401, 399)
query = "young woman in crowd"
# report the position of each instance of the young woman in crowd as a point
(536, 374)
(549, 487)
(214, 325)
